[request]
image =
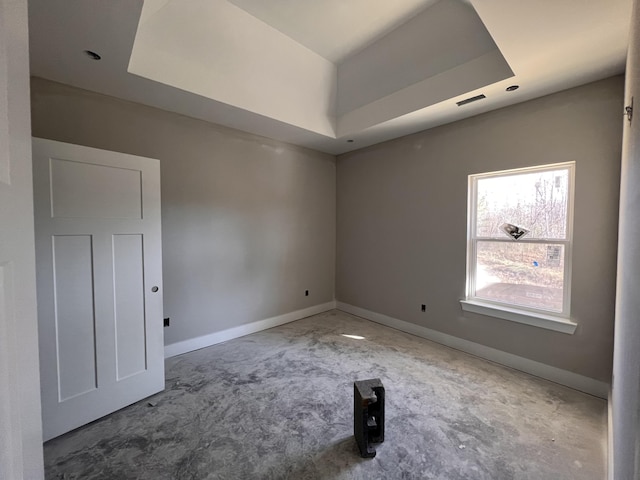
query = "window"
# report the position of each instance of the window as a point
(519, 245)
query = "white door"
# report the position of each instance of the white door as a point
(99, 275)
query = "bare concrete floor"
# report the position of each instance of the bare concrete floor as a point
(279, 405)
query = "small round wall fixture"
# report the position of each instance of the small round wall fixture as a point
(92, 55)
(512, 88)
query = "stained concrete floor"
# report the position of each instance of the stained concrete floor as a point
(279, 405)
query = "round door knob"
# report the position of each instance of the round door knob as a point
(154, 289)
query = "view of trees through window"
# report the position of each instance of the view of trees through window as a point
(530, 271)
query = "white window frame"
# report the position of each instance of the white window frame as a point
(561, 321)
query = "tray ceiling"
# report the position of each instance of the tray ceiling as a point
(320, 73)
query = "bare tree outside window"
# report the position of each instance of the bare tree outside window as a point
(527, 270)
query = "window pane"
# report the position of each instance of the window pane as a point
(536, 201)
(525, 274)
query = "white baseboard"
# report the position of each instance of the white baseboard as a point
(185, 346)
(554, 374)
(610, 472)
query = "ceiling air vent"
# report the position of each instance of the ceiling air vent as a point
(469, 100)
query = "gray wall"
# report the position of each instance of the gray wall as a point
(248, 223)
(401, 226)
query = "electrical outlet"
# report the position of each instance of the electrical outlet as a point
(306, 293)
(423, 308)
(166, 321)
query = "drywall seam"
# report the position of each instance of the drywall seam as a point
(192, 344)
(563, 377)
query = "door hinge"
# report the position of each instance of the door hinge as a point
(628, 111)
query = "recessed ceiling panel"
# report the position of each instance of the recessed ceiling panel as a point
(334, 28)
(444, 36)
(219, 51)
(443, 52)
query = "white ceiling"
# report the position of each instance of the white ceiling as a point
(277, 67)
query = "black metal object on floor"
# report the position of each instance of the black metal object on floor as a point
(368, 415)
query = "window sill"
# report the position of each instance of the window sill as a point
(549, 322)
